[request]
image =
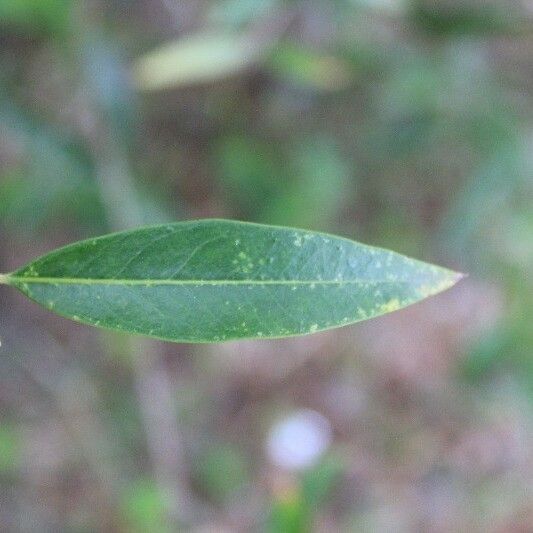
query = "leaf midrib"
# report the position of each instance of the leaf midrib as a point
(151, 282)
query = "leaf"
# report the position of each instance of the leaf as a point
(201, 58)
(215, 280)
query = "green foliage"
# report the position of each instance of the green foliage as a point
(143, 508)
(319, 482)
(222, 471)
(289, 514)
(294, 508)
(306, 187)
(249, 171)
(310, 69)
(46, 16)
(451, 18)
(317, 191)
(9, 448)
(216, 280)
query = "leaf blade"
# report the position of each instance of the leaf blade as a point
(216, 280)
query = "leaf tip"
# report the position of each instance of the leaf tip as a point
(446, 280)
(458, 276)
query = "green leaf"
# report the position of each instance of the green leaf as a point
(215, 280)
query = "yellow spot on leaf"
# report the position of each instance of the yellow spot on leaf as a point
(429, 290)
(390, 306)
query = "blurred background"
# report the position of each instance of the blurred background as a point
(401, 123)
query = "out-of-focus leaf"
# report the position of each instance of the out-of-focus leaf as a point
(305, 185)
(249, 171)
(222, 471)
(49, 16)
(409, 108)
(51, 177)
(318, 190)
(289, 513)
(486, 354)
(9, 448)
(216, 280)
(318, 482)
(314, 69)
(200, 58)
(144, 508)
(451, 17)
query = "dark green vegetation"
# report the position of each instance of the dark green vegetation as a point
(216, 280)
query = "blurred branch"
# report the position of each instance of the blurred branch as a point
(156, 392)
(155, 389)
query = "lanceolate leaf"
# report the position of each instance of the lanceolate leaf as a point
(192, 60)
(215, 280)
